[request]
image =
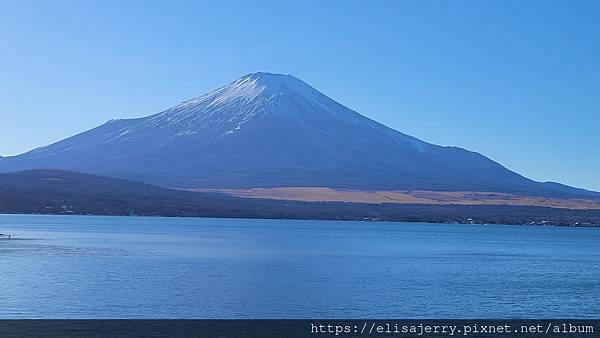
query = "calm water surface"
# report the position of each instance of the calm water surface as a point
(136, 267)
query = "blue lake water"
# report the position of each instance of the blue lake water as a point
(138, 267)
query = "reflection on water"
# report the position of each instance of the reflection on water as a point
(135, 267)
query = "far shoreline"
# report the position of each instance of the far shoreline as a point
(370, 220)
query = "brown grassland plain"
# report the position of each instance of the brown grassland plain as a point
(324, 194)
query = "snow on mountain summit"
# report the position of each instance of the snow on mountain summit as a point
(248, 95)
(256, 103)
(258, 97)
(267, 85)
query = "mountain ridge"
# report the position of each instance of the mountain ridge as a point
(44, 191)
(269, 130)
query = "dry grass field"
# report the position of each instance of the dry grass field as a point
(323, 194)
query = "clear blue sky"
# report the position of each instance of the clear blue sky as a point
(518, 81)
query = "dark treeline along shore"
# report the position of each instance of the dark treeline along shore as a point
(64, 192)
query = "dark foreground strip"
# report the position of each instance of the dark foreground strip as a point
(302, 328)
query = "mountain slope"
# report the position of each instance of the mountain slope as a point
(63, 192)
(269, 130)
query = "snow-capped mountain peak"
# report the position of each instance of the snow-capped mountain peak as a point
(253, 103)
(265, 130)
(251, 97)
(254, 87)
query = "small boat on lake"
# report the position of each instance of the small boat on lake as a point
(5, 236)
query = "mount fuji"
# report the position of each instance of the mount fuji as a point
(273, 130)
